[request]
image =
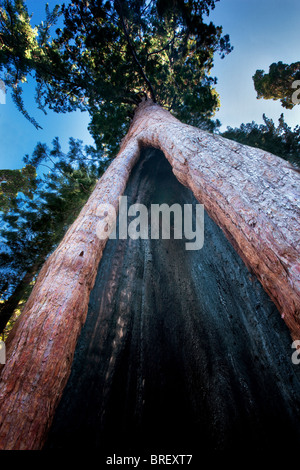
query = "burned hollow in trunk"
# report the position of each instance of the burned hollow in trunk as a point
(181, 351)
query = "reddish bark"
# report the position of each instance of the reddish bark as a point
(251, 194)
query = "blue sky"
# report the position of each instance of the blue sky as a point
(261, 31)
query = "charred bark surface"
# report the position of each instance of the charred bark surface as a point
(182, 351)
(251, 194)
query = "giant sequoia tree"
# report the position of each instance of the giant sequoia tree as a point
(145, 64)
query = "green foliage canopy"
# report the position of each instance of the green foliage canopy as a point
(106, 55)
(13, 182)
(277, 84)
(280, 140)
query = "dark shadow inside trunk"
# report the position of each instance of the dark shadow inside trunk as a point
(182, 351)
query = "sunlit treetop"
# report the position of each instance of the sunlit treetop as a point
(103, 56)
(278, 83)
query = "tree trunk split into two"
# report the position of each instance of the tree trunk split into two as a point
(181, 350)
(250, 194)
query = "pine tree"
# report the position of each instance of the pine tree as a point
(281, 140)
(279, 83)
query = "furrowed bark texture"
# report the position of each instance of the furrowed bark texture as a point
(251, 195)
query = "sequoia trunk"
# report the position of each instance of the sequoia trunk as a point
(251, 195)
